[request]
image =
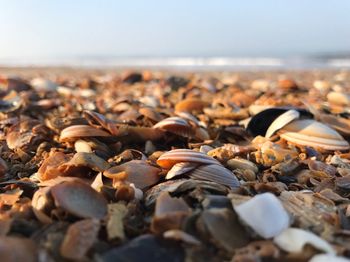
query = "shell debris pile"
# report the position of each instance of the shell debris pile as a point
(157, 166)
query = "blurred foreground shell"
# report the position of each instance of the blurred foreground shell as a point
(13, 249)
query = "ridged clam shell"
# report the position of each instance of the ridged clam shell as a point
(176, 125)
(309, 132)
(76, 131)
(215, 173)
(170, 158)
(281, 121)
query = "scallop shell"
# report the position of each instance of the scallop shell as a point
(175, 125)
(293, 240)
(77, 131)
(170, 158)
(309, 132)
(281, 121)
(215, 173)
(265, 214)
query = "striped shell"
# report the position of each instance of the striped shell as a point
(315, 134)
(215, 173)
(175, 125)
(77, 131)
(170, 158)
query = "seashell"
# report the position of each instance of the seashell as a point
(42, 202)
(79, 199)
(138, 172)
(259, 123)
(226, 113)
(309, 132)
(175, 125)
(293, 240)
(315, 165)
(43, 85)
(328, 258)
(170, 158)
(224, 229)
(180, 169)
(265, 214)
(191, 104)
(14, 249)
(287, 84)
(79, 238)
(150, 101)
(241, 163)
(49, 167)
(189, 117)
(151, 114)
(82, 159)
(338, 98)
(82, 146)
(215, 173)
(170, 213)
(78, 131)
(10, 103)
(322, 86)
(281, 121)
(340, 124)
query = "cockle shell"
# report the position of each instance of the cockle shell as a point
(215, 173)
(78, 131)
(309, 132)
(170, 158)
(281, 121)
(293, 240)
(265, 214)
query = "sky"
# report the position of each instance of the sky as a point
(48, 28)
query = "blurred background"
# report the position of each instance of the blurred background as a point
(181, 33)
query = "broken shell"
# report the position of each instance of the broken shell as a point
(79, 199)
(293, 240)
(265, 214)
(170, 158)
(90, 160)
(115, 226)
(77, 131)
(79, 238)
(281, 121)
(215, 173)
(151, 114)
(241, 163)
(309, 132)
(175, 125)
(82, 146)
(315, 165)
(170, 213)
(138, 172)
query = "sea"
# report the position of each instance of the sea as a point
(184, 63)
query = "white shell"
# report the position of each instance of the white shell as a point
(309, 132)
(41, 84)
(328, 258)
(180, 169)
(265, 214)
(293, 240)
(215, 173)
(282, 121)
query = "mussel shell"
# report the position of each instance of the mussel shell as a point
(259, 124)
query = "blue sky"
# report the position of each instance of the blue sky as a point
(47, 28)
